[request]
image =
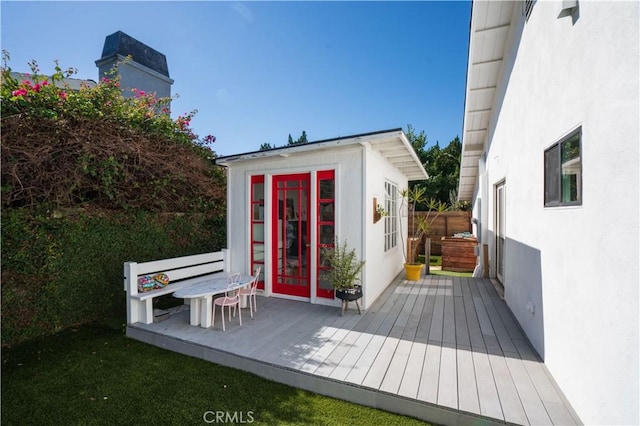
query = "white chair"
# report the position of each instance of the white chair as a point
(251, 292)
(231, 298)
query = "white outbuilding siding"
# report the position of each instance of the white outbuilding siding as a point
(362, 165)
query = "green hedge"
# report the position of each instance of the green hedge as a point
(62, 270)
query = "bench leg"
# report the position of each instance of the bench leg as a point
(148, 311)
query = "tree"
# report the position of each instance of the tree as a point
(301, 140)
(442, 165)
(418, 142)
(290, 142)
(266, 146)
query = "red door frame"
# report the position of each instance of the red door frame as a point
(257, 221)
(325, 220)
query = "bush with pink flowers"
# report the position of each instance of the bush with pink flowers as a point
(64, 147)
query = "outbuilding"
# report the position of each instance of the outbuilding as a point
(285, 205)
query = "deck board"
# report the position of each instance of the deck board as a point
(446, 350)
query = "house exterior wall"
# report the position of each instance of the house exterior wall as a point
(571, 273)
(136, 76)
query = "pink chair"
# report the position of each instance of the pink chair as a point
(231, 298)
(251, 292)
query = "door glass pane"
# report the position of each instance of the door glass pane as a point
(258, 192)
(327, 233)
(258, 252)
(326, 189)
(326, 212)
(258, 232)
(323, 282)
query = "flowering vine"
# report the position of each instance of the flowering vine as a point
(51, 97)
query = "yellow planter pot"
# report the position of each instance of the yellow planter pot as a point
(413, 271)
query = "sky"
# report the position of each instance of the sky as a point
(257, 72)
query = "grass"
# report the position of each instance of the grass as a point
(450, 273)
(95, 375)
(437, 261)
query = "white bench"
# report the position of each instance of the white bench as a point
(182, 272)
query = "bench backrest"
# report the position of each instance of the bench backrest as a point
(177, 268)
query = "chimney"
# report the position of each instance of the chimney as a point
(147, 70)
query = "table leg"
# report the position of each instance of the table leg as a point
(207, 306)
(194, 311)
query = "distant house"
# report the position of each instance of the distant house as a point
(285, 204)
(147, 70)
(550, 160)
(68, 83)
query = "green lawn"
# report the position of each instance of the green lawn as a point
(95, 375)
(437, 261)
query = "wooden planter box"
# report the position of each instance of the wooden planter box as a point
(458, 254)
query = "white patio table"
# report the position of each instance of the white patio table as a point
(201, 296)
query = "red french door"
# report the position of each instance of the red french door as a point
(257, 228)
(326, 229)
(291, 237)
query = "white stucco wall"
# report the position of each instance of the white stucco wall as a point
(578, 267)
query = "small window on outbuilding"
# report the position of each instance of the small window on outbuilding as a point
(563, 172)
(391, 195)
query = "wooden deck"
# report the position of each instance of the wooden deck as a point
(445, 350)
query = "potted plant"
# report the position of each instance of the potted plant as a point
(418, 226)
(344, 273)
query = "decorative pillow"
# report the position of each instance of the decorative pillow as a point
(146, 283)
(152, 282)
(161, 280)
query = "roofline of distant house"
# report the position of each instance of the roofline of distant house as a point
(73, 83)
(227, 158)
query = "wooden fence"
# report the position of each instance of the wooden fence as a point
(445, 224)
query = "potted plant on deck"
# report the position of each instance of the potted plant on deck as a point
(418, 226)
(343, 273)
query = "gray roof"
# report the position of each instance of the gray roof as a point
(66, 83)
(123, 44)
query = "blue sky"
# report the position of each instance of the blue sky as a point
(259, 71)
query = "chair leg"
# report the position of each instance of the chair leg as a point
(213, 317)
(250, 306)
(239, 312)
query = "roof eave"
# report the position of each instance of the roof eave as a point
(490, 27)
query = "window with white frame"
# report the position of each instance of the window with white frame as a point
(391, 220)
(527, 7)
(563, 172)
